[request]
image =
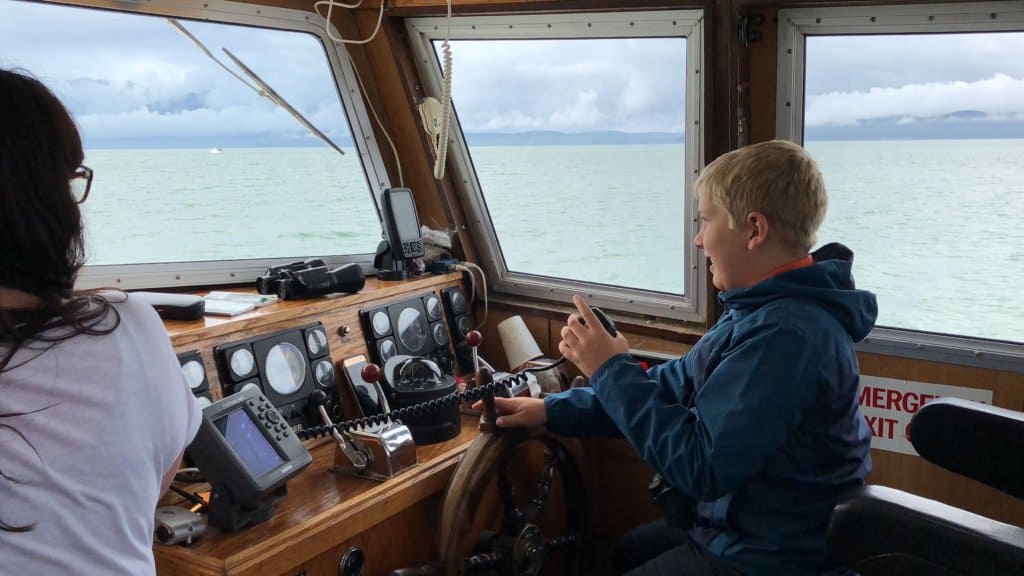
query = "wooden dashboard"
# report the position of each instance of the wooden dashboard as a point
(325, 513)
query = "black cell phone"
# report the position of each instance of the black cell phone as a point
(368, 400)
(402, 223)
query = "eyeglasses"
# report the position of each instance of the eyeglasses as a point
(81, 183)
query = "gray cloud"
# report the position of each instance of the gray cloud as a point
(127, 76)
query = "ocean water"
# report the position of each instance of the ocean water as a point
(933, 224)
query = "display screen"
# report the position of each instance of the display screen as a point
(248, 442)
(404, 213)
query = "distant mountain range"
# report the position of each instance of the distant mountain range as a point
(963, 124)
(551, 138)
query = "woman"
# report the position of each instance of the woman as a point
(94, 415)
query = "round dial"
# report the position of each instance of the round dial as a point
(381, 323)
(241, 362)
(440, 335)
(193, 372)
(458, 301)
(464, 326)
(203, 401)
(248, 385)
(412, 330)
(316, 342)
(324, 373)
(433, 308)
(286, 368)
(386, 349)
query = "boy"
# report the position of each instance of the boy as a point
(759, 422)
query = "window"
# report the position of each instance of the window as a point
(580, 136)
(198, 178)
(915, 115)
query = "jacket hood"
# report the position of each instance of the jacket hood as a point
(828, 282)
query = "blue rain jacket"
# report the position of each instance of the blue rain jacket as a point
(759, 422)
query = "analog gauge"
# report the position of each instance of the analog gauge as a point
(381, 323)
(194, 373)
(316, 342)
(203, 401)
(458, 301)
(242, 362)
(386, 349)
(433, 308)
(247, 386)
(412, 330)
(324, 373)
(464, 326)
(440, 335)
(285, 368)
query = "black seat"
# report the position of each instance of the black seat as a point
(879, 530)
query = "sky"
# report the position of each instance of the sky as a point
(133, 80)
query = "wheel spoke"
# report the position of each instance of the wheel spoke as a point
(540, 493)
(513, 520)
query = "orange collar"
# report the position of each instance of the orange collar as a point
(794, 265)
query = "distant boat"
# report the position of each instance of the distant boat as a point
(216, 150)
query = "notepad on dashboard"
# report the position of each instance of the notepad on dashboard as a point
(227, 307)
(257, 300)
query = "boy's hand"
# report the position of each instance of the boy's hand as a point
(513, 412)
(588, 345)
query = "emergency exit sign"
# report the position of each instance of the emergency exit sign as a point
(888, 405)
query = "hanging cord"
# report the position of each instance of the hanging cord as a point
(468, 268)
(416, 410)
(446, 99)
(330, 8)
(369, 103)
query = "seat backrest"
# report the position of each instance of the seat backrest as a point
(973, 439)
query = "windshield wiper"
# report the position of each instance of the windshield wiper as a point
(263, 89)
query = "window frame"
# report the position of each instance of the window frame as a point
(687, 24)
(795, 25)
(213, 272)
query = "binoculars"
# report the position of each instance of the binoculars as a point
(310, 278)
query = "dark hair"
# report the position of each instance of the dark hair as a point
(42, 246)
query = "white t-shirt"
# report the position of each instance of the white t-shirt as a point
(106, 417)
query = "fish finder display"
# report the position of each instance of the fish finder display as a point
(246, 440)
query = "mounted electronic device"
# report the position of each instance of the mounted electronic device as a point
(402, 239)
(247, 452)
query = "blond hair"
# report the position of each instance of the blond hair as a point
(778, 179)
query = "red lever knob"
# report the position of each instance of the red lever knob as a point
(370, 373)
(474, 338)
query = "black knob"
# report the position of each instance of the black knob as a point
(351, 563)
(317, 397)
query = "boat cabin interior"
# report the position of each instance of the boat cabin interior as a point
(359, 218)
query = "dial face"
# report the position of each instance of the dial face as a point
(433, 308)
(193, 372)
(412, 330)
(241, 362)
(458, 301)
(203, 401)
(249, 385)
(440, 335)
(381, 323)
(464, 326)
(286, 368)
(316, 342)
(324, 373)
(386, 349)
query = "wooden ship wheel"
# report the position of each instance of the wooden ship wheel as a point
(507, 511)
